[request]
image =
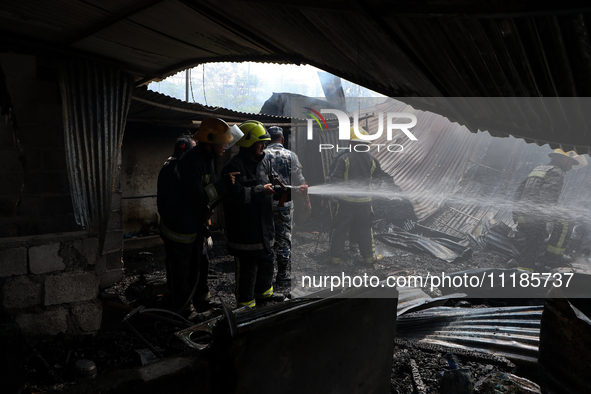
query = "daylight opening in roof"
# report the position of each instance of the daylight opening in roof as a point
(245, 87)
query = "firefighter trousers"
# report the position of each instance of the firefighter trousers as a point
(254, 277)
(531, 237)
(561, 232)
(186, 264)
(354, 219)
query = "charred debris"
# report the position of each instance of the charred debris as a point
(396, 340)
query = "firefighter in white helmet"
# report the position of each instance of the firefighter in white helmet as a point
(184, 210)
(248, 212)
(536, 200)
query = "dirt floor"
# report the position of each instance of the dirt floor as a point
(51, 364)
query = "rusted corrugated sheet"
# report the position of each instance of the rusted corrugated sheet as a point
(512, 332)
(95, 103)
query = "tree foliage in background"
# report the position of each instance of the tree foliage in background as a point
(234, 86)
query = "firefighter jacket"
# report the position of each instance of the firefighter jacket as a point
(359, 171)
(538, 193)
(189, 192)
(248, 210)
(167, 188)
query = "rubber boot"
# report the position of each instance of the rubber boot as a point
(282, 275)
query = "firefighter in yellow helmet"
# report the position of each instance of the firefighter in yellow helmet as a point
(357, 172)
(535, 200)
(248, 211)
(184, 195)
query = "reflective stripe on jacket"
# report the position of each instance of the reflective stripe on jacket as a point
(357, 171)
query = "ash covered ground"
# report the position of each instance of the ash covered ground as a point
(415, 368)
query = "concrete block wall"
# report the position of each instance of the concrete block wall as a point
(50, 284)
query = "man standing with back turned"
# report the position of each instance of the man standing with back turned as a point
(287, 168)
(182, 226)
(358, 173)
(537, 198)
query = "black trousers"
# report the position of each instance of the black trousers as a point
(531, 237)
(186, 264)
(354, 219)
(254, 276)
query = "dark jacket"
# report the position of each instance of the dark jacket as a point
(167, 189)
(248, 210)
(191, 190)
(539, 192)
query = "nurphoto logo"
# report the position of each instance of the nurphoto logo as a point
(345, 127)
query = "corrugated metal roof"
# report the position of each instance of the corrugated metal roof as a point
(511, 332)
(399, 48)
(156, 108)
(457, 180)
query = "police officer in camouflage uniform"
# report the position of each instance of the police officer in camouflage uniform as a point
(537, 196)
(287, 168)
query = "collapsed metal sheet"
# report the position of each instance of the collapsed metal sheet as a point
(330, 347)
(511, 332)
(342, 343)
(439, 247)
(413, 299)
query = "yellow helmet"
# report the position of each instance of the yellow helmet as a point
(361, 131)
(216, 131)
(572, 155)
(254, 131)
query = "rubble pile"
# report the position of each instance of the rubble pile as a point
(416, 367)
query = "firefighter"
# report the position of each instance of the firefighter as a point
(536, 198)
(360, 172)
(248, 211)
(182, 224)
(287, 169)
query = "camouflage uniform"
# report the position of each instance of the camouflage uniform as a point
(537, 195)
(286, 166)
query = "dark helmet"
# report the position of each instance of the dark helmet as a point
(273, 130)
